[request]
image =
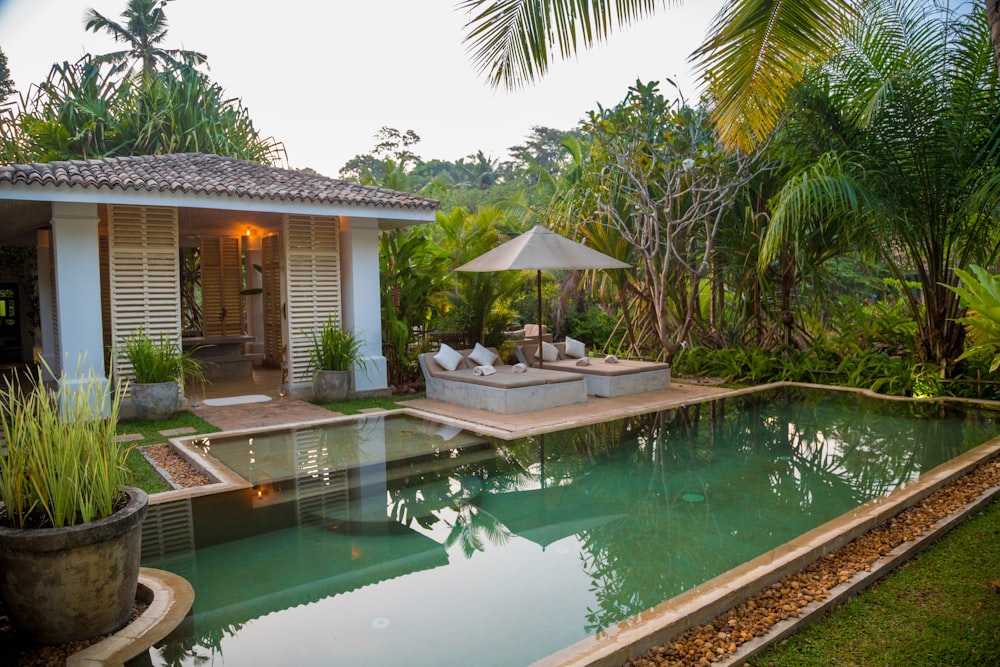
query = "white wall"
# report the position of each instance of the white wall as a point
(361, 299)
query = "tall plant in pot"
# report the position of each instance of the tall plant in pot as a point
(334, 351)
(70, 527)
(158, 367)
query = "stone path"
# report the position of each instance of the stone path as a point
(276, 412)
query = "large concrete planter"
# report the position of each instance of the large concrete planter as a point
(64, 584)
(155, 401)
(331, 385)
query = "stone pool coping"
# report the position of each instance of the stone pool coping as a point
(169, 598)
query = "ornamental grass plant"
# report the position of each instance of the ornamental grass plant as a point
(335, 349)
(156, 360)
(62, 465)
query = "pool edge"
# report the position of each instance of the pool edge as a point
(169, 598)
(658, 625)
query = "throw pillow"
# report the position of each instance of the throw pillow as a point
(448, 358)
(482, 356)
(575, 348)
(549, 352)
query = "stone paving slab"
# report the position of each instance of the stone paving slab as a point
(183, 430)
(129, 437)
(279, 412)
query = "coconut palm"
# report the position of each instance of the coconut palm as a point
(754, 52)
(143, 30)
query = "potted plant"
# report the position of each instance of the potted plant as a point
(158, 367)
(334, 350)
(70, 527)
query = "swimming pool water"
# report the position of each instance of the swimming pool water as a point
(394, 539)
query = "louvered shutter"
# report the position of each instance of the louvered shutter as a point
(221, 282)
(270, 264)
(144, 274)
(312, 278)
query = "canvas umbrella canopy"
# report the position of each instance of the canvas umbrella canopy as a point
(541, 250)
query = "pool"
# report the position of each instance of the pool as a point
(392, 538)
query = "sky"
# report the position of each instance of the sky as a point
(323, 77)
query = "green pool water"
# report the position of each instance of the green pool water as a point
(393, 540)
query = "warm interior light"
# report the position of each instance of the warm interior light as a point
(248, 231)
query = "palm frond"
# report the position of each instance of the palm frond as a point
(512, 42)
(756, 50)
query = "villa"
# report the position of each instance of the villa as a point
(280, 252)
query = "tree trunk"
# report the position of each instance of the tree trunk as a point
(993, 17)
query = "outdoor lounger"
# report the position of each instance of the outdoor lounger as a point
(505, 391)
(603, 379)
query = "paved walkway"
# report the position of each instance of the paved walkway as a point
(276, 412)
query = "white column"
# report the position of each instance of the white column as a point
(361, 298)
(78, 291)
(46, 309)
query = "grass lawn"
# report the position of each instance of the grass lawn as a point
(941, 608)
(352, 407)
(144, 475)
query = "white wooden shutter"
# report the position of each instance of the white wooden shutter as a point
(270, 264)
(312, 279)
(144, 274)
(221, 282)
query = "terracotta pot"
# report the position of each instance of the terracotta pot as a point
(331, 385)
(78, 582)
(154, 401)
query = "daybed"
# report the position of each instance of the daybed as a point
(505, 391)
(603, 379)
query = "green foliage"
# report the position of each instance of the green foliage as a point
(85, 110)
(901, 145)
(593, 326)
(413, 276)
(980, 293)
(7, 86)
(478, 307)
(653, 190)
(62, 466)
(159, 360)
(335, 349)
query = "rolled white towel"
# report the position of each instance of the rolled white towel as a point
(611, 359)
(583, 361)
(519, 368)
(483, 370)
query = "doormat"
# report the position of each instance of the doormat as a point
(236, 400)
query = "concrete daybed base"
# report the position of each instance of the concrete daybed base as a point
(604, 379)
(505, 392)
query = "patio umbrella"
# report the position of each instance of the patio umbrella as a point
(541, 250)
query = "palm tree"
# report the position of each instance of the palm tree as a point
(755, 51)
(144, 29)
(909, 164)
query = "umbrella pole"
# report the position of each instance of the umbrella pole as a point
(539, 318)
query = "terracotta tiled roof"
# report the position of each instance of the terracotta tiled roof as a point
(199, 173)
